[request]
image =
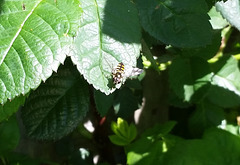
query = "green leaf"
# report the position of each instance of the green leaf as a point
(151, 145)
(206, 115)
(225, 89)
(162, 129)
(230, 10)
(192, 80)
(207, 52)
(35, 37)
(145, 151)
(9, 135)
(57, 106)
(217, 21)
(189, 152)
(103, 102)
(132, 132)
(125, 103)
(124, 133)
(181, 23)
(223, 97)
(109, 34)
(11, 107)
(219, 145)
(175, 101)
(119, 140)
(227, 145)
(227, 74)
(189, 78)
(233, 129)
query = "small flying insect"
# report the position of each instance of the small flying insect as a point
(122, 72)
(117, 73)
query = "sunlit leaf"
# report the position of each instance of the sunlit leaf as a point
(35, 37)
(109, 34)
(230, 10)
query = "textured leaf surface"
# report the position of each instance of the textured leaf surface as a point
(181, 23)
(230, 10)
(57, 106)
(34, 38)
(109, 34)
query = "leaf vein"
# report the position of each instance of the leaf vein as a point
(18, 32)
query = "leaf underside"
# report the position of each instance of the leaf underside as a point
(57, 106)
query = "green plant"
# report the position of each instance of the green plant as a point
(58, 59)
(124, 133)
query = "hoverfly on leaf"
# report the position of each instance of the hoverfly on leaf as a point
(122, 72)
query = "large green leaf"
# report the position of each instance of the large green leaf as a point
(189, 77)
(109, 34)
(225, 88)
(57, 106)
(207, 52)
(230, 10)
(192, 80)
(218, 147)
(35, 36)
(227, 145)
(181, 23)
(189, 152)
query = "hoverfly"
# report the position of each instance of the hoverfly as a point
(117, 73)
(122, 72)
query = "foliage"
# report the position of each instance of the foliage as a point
(124, 133)
(57, 106)
(9, 132)
(59, 102)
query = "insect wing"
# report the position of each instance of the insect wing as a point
(136, 71)
(131, 71)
